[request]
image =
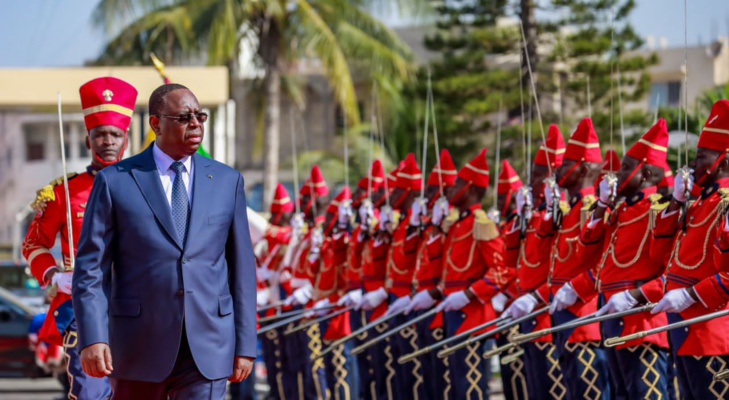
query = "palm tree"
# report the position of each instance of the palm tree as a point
(341, 34)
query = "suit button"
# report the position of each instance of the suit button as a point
(55, 313)
(180, 293)
(184, 260)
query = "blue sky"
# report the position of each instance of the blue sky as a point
(45, 33)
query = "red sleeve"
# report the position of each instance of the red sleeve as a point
(404, 260)
(714, 290)
(584, 285)
(41, 237)
(653, 290)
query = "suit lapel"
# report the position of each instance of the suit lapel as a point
(202, 187)
(147, 178)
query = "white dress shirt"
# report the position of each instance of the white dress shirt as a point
(167, 176)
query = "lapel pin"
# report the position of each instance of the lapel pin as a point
(210, 176)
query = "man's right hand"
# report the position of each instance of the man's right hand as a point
(96, 360)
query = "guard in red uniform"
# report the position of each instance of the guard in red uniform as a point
(513, 375)
(543, 374)
(401, 266)
(429, 274)
(581, 357)
(610, 165)
(370, 190)
(625, 273)
(310, 375)
(328, 262)
(108, 104)
(374, 301)
(277, 239)
(473, 274)
(698, 242)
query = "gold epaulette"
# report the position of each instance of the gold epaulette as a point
(47, 194)
(586, 209)
(484, 228)
(724, 203)
(657, 207)
(395, 220)
(450, 220)
(564, 207)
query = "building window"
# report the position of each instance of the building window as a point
(665, 94)
(35, 141)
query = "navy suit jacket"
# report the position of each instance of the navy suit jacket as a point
(134, 281)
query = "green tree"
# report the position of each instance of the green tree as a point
(594, 53)
(341, 34)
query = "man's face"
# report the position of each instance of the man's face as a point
(175, 137)
(563, 171)
(455, 193)
(704, 160)
(397, 198)
(107, 142)
(539, 174)
(627, 167)
(357, 197)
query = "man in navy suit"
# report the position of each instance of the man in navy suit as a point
(165, 285)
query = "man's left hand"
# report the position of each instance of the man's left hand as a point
(242, 367)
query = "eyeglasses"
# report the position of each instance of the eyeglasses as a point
(187, 118)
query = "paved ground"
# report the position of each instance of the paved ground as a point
(50, 389)
(30, 389)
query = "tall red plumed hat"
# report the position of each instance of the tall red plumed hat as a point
(476, 171)
(444, 172)
(108, 101)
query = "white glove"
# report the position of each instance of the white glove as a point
(565, 297)
(301, 295)
(366, 212)
(522, 306)
(421, 301)
(549, 194)
(418, 210)
(454, 301)
(317, 238)
(262, 296)
(386, 217)
(318, 307)
(373, 299)
(352, 299)
(263, 274)
(440, 210)
(297, 223)
(620, 302)
(63, 281)
(494, 215)
(607, 189)
(398, 305)
(682, 186)
(344, 215)
(499, 302)
(524, 202)
(675, 301)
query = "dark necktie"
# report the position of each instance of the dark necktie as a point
(180, 202)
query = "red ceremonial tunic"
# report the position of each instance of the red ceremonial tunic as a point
(624, 263)
(695, 260)
(567, 261)
(403, 257)
(473, 259)
(41, 237)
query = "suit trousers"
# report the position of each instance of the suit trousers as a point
(185, 382)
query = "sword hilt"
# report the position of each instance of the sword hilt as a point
(528, 337)
(621, 340)
(721, 375)
(510, 358)
(499, 350)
